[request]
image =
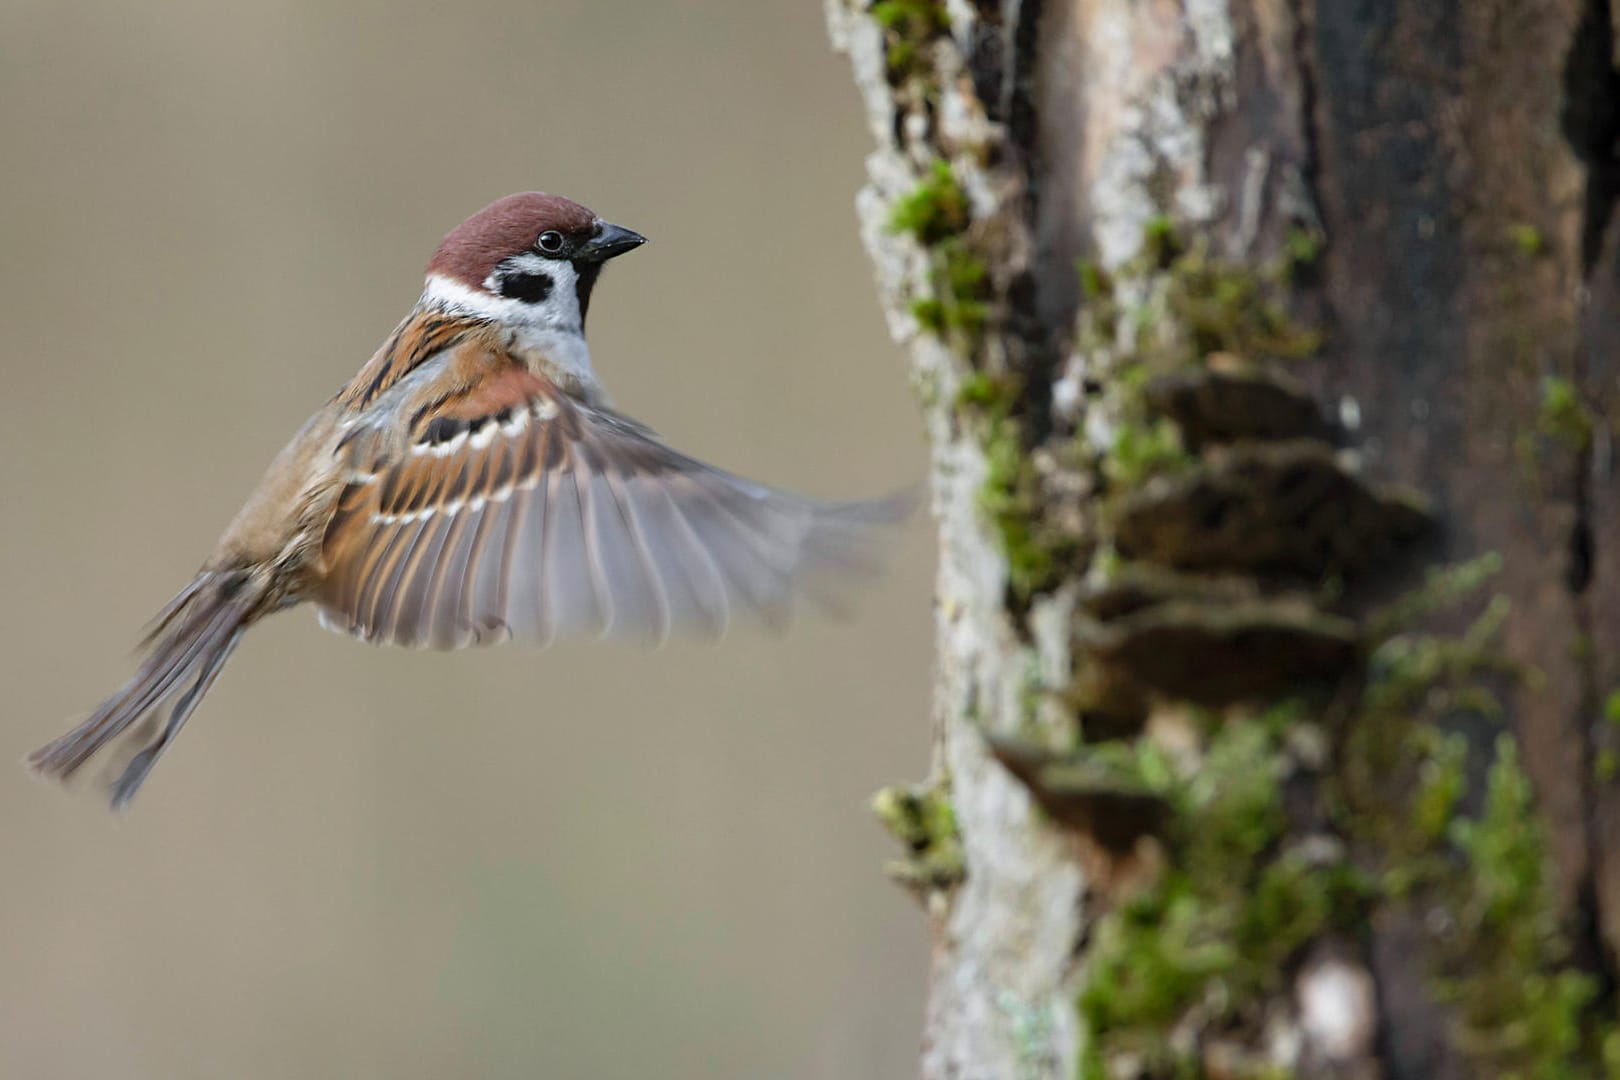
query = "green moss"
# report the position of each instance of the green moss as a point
(1501, 960)
(1442, 780)
(1411, 838)
(1303, 247)
(922, 818)
(1172, 306)
(1227, 307)
(1107, 564)
(1186, 303)
(1504, 846)
(1521, 1011)
(933, 210)
(1160, 244)
(936, 214)
(1098, 324)
(1606, 760)
(1443, 587)
(958, 279)
(1563, 422)
(1138, 765)
(1526, 239)
(1580, 647)
(1010, 501)
(1606, 765)
(1151, 960)
(992, 395)
(1217, 931)
(908, 26)
(1434, 672)
(1395, 744)
(929, 313)
(1095, 284)
(914, 18)
(1563, 417)
(1145, 449)
(1010, 497)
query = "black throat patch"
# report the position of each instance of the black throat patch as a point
(585, 275)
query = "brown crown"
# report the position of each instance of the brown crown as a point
(503, 228)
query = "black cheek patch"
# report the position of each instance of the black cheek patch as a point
(529, 288)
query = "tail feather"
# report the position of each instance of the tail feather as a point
(187, 645)
(181, 600)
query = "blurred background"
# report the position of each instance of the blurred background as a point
(379, 863)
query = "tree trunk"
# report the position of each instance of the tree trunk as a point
(1269, 352)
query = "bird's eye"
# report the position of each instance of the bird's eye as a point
(551, 241)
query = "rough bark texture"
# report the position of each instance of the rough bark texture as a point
(1268, 356)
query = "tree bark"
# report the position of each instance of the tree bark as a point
(1267, 351)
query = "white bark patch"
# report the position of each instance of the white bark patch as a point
(1337, 1009)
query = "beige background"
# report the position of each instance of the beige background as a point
(363, 863)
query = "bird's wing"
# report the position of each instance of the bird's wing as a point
(518, 511)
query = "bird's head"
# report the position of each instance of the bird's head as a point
(529, 259)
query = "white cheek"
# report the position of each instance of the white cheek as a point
(559, 311)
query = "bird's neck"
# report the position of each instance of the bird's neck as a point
(549, 337)
(560, 356)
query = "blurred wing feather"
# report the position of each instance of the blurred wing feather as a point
(517, 511)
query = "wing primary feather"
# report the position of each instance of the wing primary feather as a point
(639, 608)
(627, 575)
(729, 541)
(425, 564)
(511, 539)
(481, 579)
(398, 579)
(567, 589)
(720, 616)
(541, 615)
(842, 537)
(524, 606)
(440, 629)
(595, 538)
(369, 580)
(444, 630)
(750, 512)
(386, 577)
(548, 454)
(660, 589)
(480, 610)
(416, 581)
(446, 626)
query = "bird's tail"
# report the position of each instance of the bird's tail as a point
(185, 646)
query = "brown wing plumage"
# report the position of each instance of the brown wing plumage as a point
(518, 511)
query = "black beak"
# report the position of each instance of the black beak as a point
(609, 241)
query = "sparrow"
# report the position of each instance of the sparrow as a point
(472, 484)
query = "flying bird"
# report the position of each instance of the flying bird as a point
(472, 484)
